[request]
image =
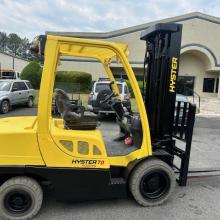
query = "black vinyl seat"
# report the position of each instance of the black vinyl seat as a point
(74, 120)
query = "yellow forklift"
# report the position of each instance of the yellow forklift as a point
(70, 154)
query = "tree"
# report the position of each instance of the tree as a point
(23, 49)
(3, 41)
(14, 42)
(17, 46)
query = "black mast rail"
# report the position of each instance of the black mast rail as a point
(168, 120)
(163, 44)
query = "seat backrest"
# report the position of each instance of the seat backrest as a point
(72, 120)
(62, 101)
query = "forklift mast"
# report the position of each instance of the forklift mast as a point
(163, 44)
(168, 120)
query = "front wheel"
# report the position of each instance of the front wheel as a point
(30, 102)
(5, 106)
(152, 182)
(20, 198)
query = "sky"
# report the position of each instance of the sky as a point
(29, 18)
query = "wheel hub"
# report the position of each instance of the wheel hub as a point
(5, 107)
(155, 184)
(17, 201)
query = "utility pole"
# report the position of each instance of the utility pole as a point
(13, 62)
(218, 87)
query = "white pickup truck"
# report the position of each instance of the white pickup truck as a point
(9, 74)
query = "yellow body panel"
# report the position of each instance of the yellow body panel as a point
(18, 145)
(31, 141)
(92, 137)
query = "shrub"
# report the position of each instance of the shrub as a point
(140, 83)
(32, 72)
(82, 78)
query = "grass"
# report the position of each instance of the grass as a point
(84, 98)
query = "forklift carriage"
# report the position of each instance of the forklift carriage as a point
(72, 155)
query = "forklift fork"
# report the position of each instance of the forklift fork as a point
(183, 131)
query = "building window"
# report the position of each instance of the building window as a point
(217, 85)
(208, 85)
(185, 85)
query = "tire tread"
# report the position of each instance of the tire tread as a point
(29, 183)
(148, 164)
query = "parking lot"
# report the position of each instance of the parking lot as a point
(199, 200)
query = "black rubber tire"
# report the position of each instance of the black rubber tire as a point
(102, 96)
(4, 107)
(143, 171)
(30, 102)
(17, 189)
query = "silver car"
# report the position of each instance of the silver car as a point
(14, 92)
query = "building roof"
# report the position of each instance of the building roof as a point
(106, 35)
(16, 57)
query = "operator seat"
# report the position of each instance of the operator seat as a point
(73, 120)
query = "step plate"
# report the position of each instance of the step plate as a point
(117, 181)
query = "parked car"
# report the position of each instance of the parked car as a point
(95, 96)
(9, 74)
(14, 92)
(181, 98)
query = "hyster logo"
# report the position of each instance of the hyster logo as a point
(88, 162)
(173, 74)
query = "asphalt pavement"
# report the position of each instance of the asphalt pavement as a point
(199, 200)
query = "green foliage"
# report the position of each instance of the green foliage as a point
(3, 41)
(32, 72)
(84, 79)
(14, 42)
(15, 45)
(140, 83)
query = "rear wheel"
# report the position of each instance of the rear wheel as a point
(20, 198)
(152, 182)
(5, 106)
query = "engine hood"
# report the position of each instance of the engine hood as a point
(3, 93)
